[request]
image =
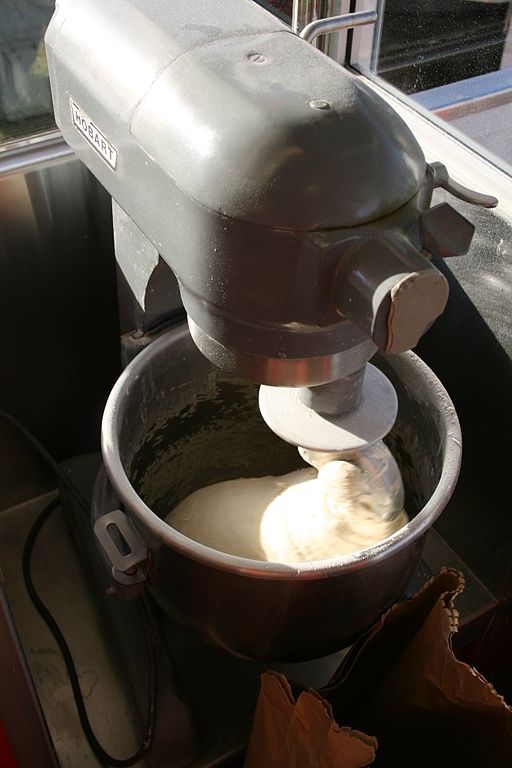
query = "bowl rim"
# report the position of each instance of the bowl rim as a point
(418, 525)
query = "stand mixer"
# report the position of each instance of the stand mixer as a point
(294, 208)
(292, 204)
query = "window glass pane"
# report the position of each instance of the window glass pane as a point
(425, 45)
(25, 101)
(453, 58)
(282, 8)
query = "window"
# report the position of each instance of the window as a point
(25, 100)
(281, 7)
(452, 58)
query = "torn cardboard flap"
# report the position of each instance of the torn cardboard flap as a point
(402, 684)
(302, 732)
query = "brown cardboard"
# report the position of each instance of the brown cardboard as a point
(302, 733)
(402, 683)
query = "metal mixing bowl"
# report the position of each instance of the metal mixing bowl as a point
(174, 423)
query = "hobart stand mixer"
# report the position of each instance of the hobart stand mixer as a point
(294, 208)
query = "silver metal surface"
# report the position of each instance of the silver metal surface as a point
(120, 540)
(375, 46)
(346, 351)
(33, 153)
(336, 397)
(286, 414)
(171, 412)
(336, 23)
(306, 11)
(178, 343)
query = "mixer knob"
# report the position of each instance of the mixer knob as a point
(445, 232)
(390, 291)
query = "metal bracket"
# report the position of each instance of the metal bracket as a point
(123, 546)
(336, 23)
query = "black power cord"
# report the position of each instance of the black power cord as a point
(48, 458)
(103, 757)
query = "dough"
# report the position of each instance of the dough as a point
(302, 516)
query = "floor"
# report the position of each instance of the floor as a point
(63, 585)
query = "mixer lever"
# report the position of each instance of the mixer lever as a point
(441, 178)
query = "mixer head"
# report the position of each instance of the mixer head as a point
(291, 202)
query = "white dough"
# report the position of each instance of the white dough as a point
(302, 516)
